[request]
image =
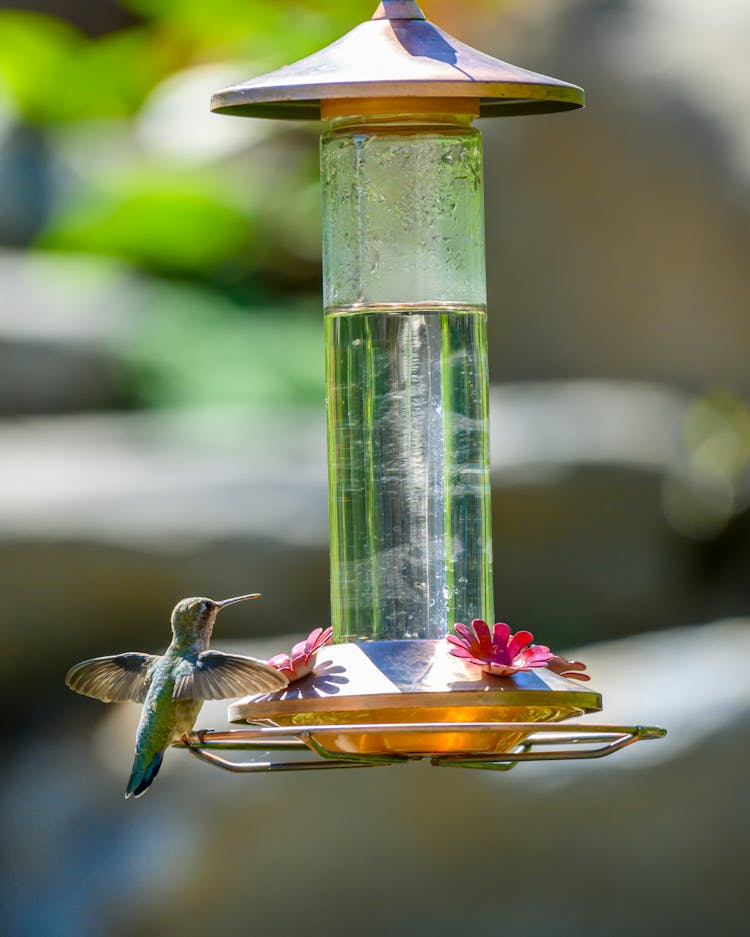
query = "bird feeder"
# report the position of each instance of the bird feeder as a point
(407, 413)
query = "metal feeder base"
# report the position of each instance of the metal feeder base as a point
(384, 702)
(397, 684)
(552, 743)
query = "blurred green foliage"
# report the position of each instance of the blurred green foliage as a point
(278, 31)
(702, 494)
(198, 348)
(162, 221)
(55, 74)
(230, 211)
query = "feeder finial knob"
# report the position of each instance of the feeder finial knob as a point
(398, 10)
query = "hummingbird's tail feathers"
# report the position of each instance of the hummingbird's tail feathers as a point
(142, 775)
(215, 675)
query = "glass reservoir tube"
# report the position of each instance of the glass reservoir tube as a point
(406, 372)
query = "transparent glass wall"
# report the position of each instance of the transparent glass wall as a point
(406, 366)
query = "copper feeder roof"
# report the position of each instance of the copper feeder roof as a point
(397, 54)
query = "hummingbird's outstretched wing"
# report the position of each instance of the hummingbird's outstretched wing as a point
(113, 679)
(214, 675)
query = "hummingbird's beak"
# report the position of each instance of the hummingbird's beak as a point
(238, 598)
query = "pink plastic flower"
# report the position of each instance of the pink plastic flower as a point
(572, 669)
(301, 661)
(500, 653)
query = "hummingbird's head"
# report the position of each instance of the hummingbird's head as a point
(193, 619)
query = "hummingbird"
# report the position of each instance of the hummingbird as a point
(172, 687)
